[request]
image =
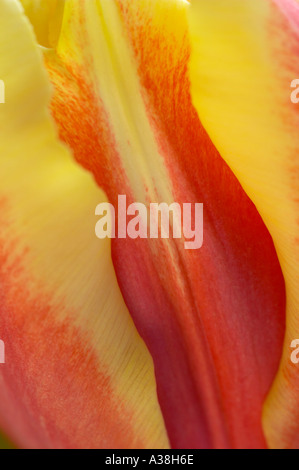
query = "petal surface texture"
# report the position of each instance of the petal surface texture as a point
(245, 56)
(77, 374)
(213, 318)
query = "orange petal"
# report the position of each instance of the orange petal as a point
(245, 56)
(213, 319)
(77, 374)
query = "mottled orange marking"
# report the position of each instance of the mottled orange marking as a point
(54, 393)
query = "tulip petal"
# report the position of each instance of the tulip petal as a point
(77, 374)
(46, 17)
(213, 319)
(245, 56)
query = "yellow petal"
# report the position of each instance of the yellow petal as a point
(77, 373)
(46, 16)
(245, 56)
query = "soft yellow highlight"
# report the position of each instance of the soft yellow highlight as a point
(46, 16)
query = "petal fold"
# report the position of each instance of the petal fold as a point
(244, 59)
(213, 319)
(77, 374)
(46, 17)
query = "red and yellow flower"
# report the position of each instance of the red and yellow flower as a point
(141, 343)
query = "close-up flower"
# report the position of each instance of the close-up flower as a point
(122, 328)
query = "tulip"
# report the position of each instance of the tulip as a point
(258, 43)
(140, 343)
